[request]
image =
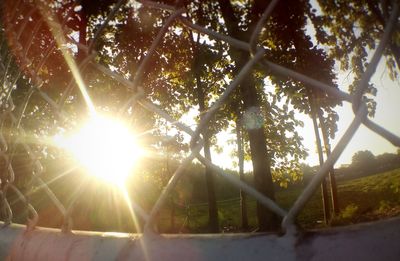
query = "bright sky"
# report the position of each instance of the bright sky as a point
(388, 105)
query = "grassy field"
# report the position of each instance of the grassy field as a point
(363, 199)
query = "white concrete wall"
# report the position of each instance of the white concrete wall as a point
(371, 241)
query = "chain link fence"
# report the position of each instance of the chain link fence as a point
(17, 146)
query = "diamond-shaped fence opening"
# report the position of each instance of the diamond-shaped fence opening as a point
(45, 65)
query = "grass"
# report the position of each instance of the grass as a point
(375, 197)
(363, 199)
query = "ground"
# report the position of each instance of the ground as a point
(363, 199)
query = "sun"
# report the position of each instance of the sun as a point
(105, 148)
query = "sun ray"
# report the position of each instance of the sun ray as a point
(125, 194)
(57, 177)
(58, 35)
(127, 199)
(84, 147)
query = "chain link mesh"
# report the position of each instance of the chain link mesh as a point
(17, 145)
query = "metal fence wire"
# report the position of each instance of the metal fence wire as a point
(16, 142)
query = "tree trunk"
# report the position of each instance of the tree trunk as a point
(267, 220)
(212, 202)
(332, 178)
(81, 55)
(324, 190)
(82, 36)
(243, 196)
(172, 220)
(213, 223)
(167, 177)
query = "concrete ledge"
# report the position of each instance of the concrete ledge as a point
(369, 241)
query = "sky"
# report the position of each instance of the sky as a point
(388, 105)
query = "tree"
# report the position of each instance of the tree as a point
(350, 29)
(312, 61)
(279, 39)
(166, 69)
(387, 161)
(243, 196)
(324, 190)
(186, 77)
(41, 70)
(286, 41)
(251, 101)
(367, 17)
(332, 178)
(363, 159)
(275, 146)
(197, 68)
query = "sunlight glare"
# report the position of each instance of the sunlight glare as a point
(105, 147)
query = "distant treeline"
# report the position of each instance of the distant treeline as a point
(364, 163)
